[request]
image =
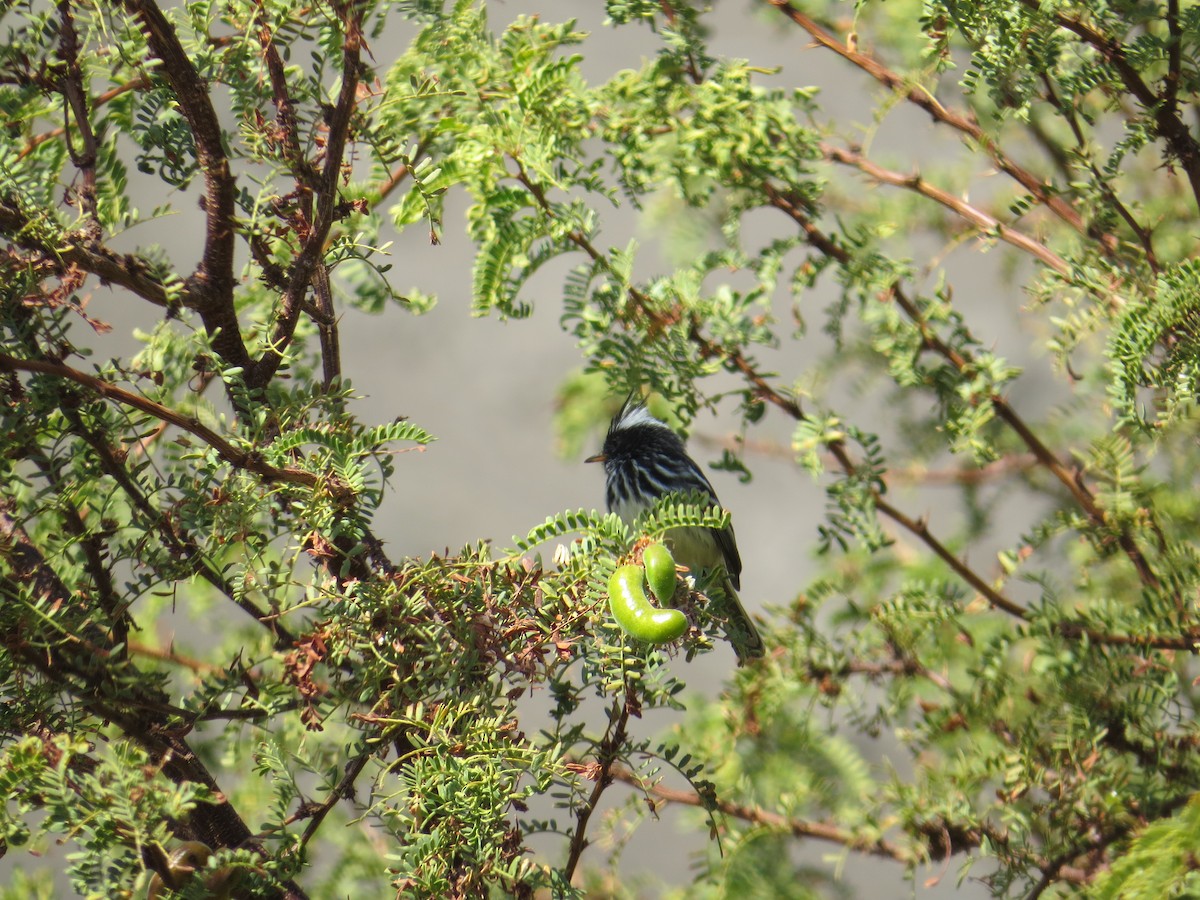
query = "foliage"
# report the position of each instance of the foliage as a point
(1036, 713)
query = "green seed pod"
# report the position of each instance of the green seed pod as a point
(633, 612)
(660, 571)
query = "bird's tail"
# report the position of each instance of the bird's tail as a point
(739, 627)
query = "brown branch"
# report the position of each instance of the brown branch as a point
(1072, 480)
(56, 253)
(1187, 642)
(1038, 188)
(1174, 75)
(285, 112)
(1181, 145)
(71, 85)
(602, 773)
(213, 279)
(919, 529)
(911, 474)
(874, 670)
(303, 271)
(823, 831)
(137, 83)
(306, 180)
(248, 460)
(998, 468)
(341, 791)
(982, 220)
(1144, 234)
(199, 666)
(1093, 844)
(327, 326)
(941, 840)
(181, 545)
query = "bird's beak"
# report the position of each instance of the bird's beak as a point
(599, 457)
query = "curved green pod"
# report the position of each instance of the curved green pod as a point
(633, 612)
(660, 571)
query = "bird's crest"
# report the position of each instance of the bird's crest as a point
(632, 414)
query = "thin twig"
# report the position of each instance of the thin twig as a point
(83, 158)
(755, 815)
(174, 657)
(872, 669)
(326, 211)
(984, 221)
(239, 459)
(896, 474)
(137, 83)
(602, 774)
(1144, 233)
(1181, 145)
(1037, 187)
(342, 790)
(920, 529)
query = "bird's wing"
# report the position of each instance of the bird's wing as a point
(729, 551)
(726, 541)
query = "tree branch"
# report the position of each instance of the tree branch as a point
(137, 83)
(822, 831)
(56, 253)
(987, 223)
(326, 212)
(1144, 234)
(1181, 145)
(71, 85)
(213, 279)
(602, 773)
(1038, 188)
(920, 530)
(342, 790)
(893, 666)
(1174, 59)
(239, 459)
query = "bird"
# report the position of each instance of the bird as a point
(645, 460)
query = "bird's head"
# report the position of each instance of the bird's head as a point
(633, 431)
